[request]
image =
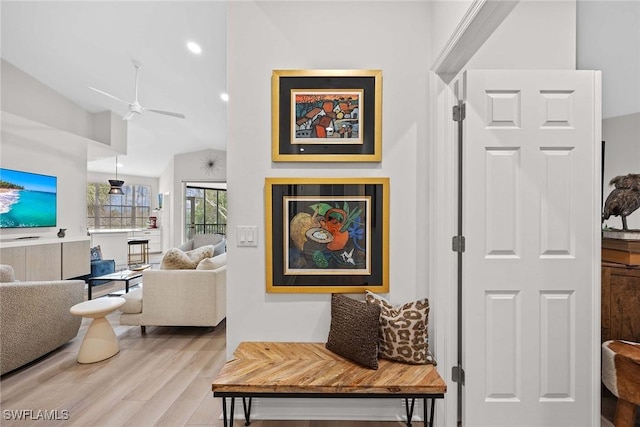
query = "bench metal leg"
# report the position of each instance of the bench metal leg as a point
(409, 410)
(228, 422)
(433, 406)
(247, 410)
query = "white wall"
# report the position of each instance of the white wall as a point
(391, 36)
(536, 35)
(609, 40)
(445, 16)
(184, 168)
(43, 132)
(51, 152)
(27, 97)
(622, 156)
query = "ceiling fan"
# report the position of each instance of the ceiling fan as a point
(134, 106)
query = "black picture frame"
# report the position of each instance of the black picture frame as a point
(306, 251)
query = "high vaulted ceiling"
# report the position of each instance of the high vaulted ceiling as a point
(70, 45)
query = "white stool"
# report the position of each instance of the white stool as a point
(100, 341)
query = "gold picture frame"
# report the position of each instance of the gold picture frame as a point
(327, 235)
(326, 115)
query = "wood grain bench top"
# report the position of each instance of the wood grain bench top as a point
(278, 367)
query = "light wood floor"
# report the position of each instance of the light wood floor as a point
(162, 378)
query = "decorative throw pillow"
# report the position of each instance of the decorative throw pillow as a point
(213, 263)
(96, 253)
(175, 259)
(403, 330)
(198, 254)
(354, 330)
(7, 274)
(206, 264)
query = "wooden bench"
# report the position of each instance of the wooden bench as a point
(285, 370)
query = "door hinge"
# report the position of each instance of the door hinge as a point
(457, 374)
(458, 112)
(457, 243)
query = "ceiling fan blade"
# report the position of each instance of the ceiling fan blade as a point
(167, 113)
(109, 95)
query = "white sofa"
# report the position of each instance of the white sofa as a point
(178, 298)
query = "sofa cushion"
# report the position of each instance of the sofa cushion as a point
(403, 330)
(7, 274)
(220, 248)
(213, 263)
(102, 267)
(175, 259)
(354, 330)
(133, 304)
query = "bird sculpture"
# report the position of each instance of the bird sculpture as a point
(624, 199)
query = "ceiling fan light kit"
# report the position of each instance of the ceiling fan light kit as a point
(134, 106)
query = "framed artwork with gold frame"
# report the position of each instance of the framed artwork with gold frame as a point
(326, 115)
(327, 235)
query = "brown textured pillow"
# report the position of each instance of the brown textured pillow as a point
(403, 330)
(354, 330)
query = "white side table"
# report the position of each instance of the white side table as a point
(100, 341)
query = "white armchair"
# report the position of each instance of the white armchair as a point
(219, 242)
(178, 298)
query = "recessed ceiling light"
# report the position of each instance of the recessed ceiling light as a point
(224, 97)
(194, 47)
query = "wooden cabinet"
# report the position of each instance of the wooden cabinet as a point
(620, 302)
(75, 259)
(47, 260)
(43, 262)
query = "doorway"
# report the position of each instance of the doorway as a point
(205, 208)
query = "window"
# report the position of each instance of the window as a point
(205, 211)
(130, 210)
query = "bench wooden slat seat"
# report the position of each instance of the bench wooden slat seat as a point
(278, 369)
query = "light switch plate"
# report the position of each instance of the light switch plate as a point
(247, 235)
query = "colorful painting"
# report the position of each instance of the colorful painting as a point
(326, 117)
(327, 234)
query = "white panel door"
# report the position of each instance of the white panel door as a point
(531, 280)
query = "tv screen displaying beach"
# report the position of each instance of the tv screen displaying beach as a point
(27, 199)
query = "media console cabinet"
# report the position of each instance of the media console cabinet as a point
(47, 258)
(297, 370)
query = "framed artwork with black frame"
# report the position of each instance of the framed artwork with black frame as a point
(326, 115)
(326, 235)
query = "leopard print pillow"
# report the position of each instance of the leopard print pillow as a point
(403, 331)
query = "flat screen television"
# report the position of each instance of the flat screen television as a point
(27, 199)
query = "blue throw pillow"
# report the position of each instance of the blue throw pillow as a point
(96, 253)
